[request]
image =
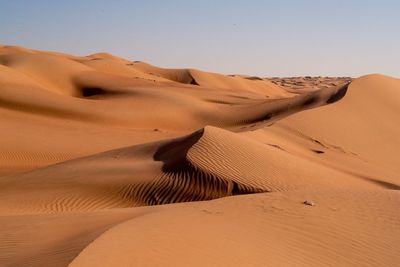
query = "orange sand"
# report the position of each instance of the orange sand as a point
(94, 148)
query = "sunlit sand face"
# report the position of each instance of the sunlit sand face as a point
(109, 162)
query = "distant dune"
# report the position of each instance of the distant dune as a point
(299, 171)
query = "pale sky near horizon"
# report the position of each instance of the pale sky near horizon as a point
(264, 38)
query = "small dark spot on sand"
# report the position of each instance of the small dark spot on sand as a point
(309, 203)
(318, 142)
(276, 146)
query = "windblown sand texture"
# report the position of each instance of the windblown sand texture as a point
(108, 162)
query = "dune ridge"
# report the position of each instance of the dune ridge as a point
(106, 161)
(207, 164)
(103, 94)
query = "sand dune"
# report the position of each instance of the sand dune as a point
(254, 231)
(207, 164)
(346, 227)
(105, 95)
(281, 171)
(368, 116)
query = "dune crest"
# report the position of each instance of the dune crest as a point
(107, 162)
(102, 95)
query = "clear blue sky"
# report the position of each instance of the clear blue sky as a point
(265, 38)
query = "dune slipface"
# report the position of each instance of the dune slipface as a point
(256, 171)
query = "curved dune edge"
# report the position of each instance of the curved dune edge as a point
(266, 226)
(363, 126)
(61, 73)
(77, 102)
(67, 87)
(363, 222)
(321, 182)
(56, 239)
(208, 164)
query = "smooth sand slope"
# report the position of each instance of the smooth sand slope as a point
(207, 164)
(345, 228)
(92, 148)
(364, 125)
(80, 101)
